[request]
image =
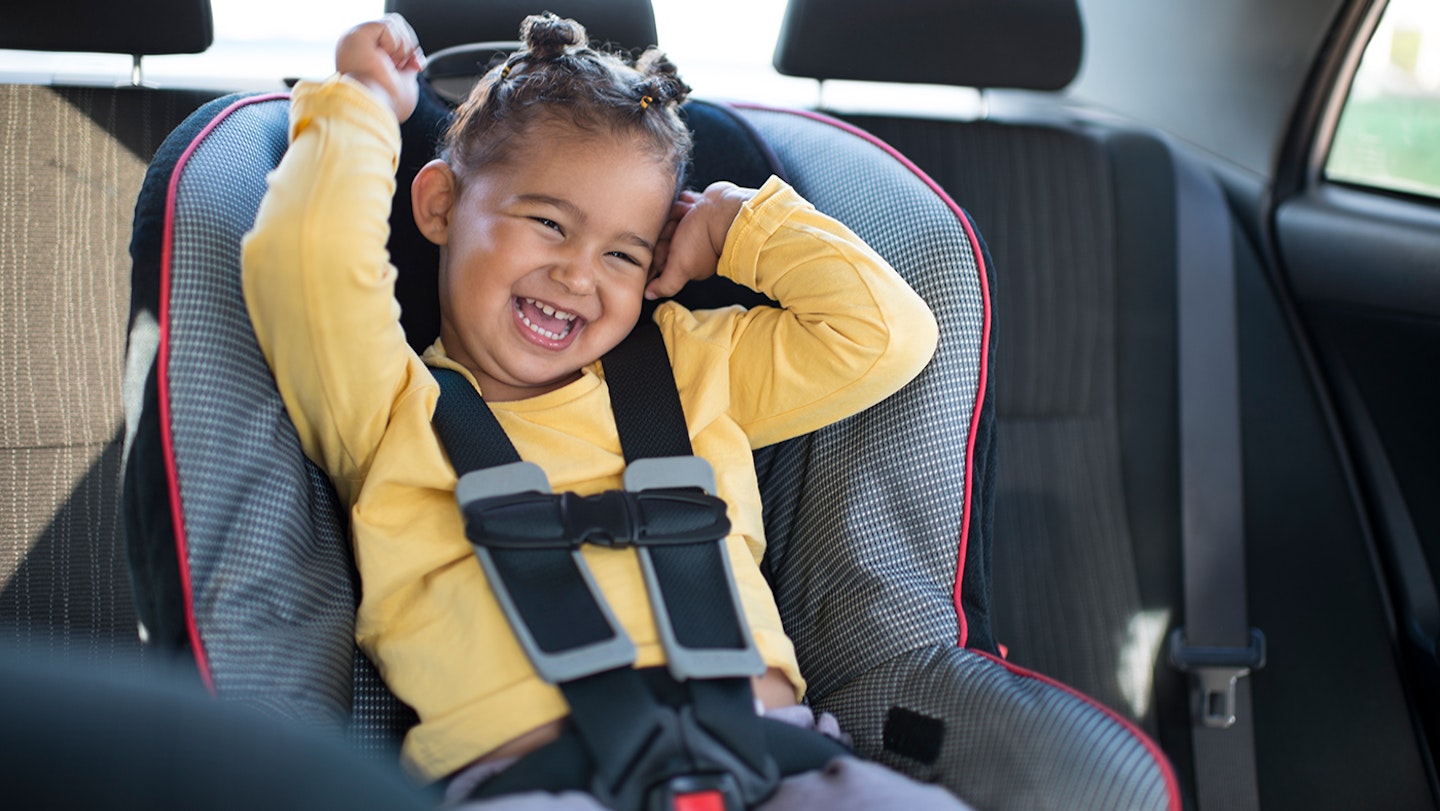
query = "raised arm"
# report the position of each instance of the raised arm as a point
(849, 332)
(317, 278)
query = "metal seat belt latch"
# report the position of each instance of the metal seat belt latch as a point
(1216, 671)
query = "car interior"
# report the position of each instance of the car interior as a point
(1189, 464)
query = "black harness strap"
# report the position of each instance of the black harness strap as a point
(634, 737)
(645, 399)
(467, 427)
(651, 422)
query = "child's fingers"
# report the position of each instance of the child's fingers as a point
(398, 40)
(668, 230)
(679, 209)
(660, 262)
(671, 277)
(676, 273)
(661, 288)
(384, 55)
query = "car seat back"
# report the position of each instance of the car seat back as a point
(444, 24)
(139, 29)
(242, 511)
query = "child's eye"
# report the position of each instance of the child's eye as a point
(548, 223)
(626, 257)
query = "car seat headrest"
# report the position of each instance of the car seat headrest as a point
(138, 28)
(440, 24)
(1024, 44)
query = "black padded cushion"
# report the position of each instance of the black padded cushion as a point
(1026, 44)
(629, 24)
(104, 26)
(417, 258)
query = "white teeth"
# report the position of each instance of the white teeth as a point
(554, 336)
(539, 330)
(551, 311)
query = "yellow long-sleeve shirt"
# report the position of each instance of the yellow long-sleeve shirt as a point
(319, 287)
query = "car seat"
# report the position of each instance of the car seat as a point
(878, 527)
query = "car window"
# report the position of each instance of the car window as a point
(1388, 136)
(723, 50)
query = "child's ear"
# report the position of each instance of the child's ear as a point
(431, 196)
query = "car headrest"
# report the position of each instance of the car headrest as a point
(139, 27)
(1025, 44)
(440, 24)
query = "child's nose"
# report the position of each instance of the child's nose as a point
(576, 274)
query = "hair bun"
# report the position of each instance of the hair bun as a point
(547, 35)
(660, 78)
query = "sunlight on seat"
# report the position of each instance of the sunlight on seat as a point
(1143, 637)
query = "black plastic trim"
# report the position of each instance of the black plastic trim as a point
(1362, 249)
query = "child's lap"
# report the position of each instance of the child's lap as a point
(844, 784)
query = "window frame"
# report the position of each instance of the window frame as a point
(1328, 125)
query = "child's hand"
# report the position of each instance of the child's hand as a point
(385, 56)
(691, 242)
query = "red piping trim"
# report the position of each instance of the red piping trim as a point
(1172, 785)
(984, 334)
(167, 439)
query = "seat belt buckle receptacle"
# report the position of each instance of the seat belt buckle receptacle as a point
(1216, 671)
(701, 792)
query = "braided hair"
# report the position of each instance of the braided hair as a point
(557, 76)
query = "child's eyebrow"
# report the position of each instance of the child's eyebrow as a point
(575, 211)
(558, 202)
(631, 236)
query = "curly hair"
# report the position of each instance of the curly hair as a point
(556, 75)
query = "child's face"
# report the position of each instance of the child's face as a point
(545, 258)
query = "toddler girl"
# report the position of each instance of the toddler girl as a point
(557, 206)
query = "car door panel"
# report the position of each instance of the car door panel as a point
(1364, 268)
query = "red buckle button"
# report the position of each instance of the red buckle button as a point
(711, 800)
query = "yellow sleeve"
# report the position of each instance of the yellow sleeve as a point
(317, 278)
(849, 331)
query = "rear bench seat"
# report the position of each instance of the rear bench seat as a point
(71, 162)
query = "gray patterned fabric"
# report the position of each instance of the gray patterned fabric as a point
(71, 163)
(868, 568)
(267, 556)
(1011, 740)
(864, 548)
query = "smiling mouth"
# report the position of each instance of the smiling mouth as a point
(545, 320)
